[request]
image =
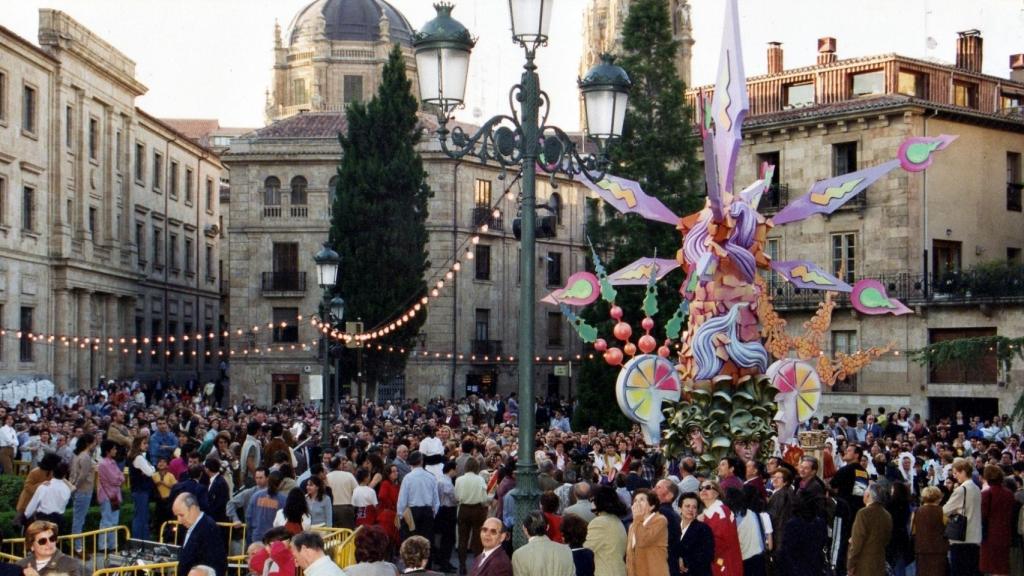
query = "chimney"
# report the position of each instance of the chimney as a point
(968, 50)
(826, 50)
(775, 57)
(1017, 67)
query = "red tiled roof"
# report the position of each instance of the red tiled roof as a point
(305, 125)
(194, 128)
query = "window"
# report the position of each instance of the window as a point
(593, 211)
(94, 138)
(3, 97)
(554, 269)
(158, 169)
(272, 191)
(554, 329)
(158, 247)
(977, 371)
(482, 193)
(965, 94)
(1014, 182)
(555, 203)
(772, 198)
(771, 276)
(1013, 255)
(332, 195)
(140, 162)
(800, 94)
(186, 345)
(1010, 101)
(353, 89)
(298, 192)
(139, 322)
(844, 256)
(299, 91)
(945, 261)
(210, 275)
(25, 352)
(844, 158)
(3, 201)
(208, 331)
(190, 259)
(289, 317)
(174, 253)
(118, 161)
(156, 330)
(92, 220)
(482, 325)
(172, 180)
(28, 208)
(172, 345)
(845, 342)
(28, 110)
(867, 83)
(209, 194)
(912, 84)
(188, 185)
(483, 262)
(140, 243)
(69, 126)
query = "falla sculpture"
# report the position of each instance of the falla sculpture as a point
(725, 377)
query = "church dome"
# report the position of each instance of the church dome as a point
(350, 20)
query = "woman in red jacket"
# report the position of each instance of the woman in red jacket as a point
(728, 560)
(996, 520)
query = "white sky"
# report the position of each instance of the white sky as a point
(212, 58)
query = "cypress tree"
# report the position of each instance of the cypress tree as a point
(658, 149)
(379, 218)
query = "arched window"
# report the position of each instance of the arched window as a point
(298, 191)
(555, 203)
(332, 194)
(272, 191)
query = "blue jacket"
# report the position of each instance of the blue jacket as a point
(205, 545)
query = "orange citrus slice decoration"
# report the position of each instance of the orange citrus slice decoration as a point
(643, 384)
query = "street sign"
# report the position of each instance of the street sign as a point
(316, 387)
(561, 370)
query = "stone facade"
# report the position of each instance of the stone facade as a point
(272, 239)
(914, 231)
(94, 193)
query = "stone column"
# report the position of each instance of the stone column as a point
(112, 329)
(62, 354)
(83, 328)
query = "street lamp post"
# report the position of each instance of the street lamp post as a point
(327, 264)
(526, 141)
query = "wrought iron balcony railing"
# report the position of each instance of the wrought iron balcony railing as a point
(282, 282)
(774, 198)
(486, 347)
(485, 215)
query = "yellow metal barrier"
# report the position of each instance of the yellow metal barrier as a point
(22, 467)
(89, 543)
(344, 552)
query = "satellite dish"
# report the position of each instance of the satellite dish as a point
(931, 43)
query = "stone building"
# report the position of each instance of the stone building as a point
(947, 241)
(107, 220)
(282, 177)
(603, 23)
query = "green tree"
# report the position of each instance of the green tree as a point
(379, 218)
(658, 149)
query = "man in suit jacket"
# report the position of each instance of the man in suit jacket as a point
(203, 543)
(667, 493)
(871, 531)
(217, 492)
(540, 556)
(191, 485)
(492, 561)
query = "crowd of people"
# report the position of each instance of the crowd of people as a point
(433, 485)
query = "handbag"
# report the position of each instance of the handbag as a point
(956, 527)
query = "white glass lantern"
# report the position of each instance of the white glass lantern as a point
(605, 91)
(327, 263)
(531, 20)
(442, 51)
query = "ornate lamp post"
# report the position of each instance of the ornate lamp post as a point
(526, 141)
(327, 264)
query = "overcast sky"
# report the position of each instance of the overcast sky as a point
(212, 58)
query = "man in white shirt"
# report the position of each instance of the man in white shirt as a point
(342, 484)
(8, 444)
(471, 494)
(308, 549)
(433, 452)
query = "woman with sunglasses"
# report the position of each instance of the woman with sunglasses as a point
(44, 557)
(728, 559)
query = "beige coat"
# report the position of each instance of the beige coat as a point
(647, 547)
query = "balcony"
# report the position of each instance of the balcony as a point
(271, 211)
(283, 284)
(486, 347)
(774, 199)
(301, 211)
(996, 283)
(485, 215)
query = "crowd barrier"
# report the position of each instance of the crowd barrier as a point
(91, 554)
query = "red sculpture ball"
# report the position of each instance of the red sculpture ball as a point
(622, 331)
(630, 349)
(647, 324)
(664, 351)
(647, 343)
(600, 345)
(613, 356)
(615, 313)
